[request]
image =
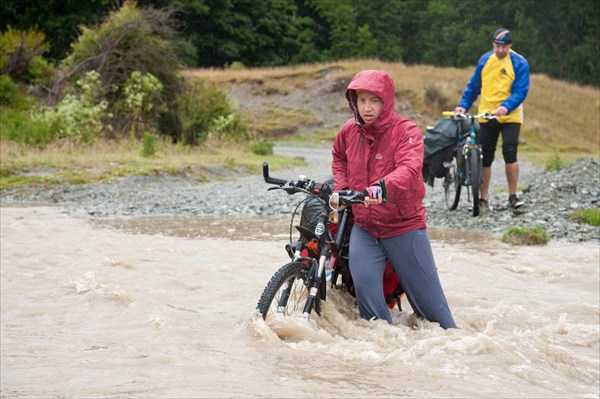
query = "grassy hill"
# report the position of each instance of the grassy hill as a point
(306, 104)
(559, 116)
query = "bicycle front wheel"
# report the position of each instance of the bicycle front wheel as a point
(475, 164)
(286, 293)
(452, 185)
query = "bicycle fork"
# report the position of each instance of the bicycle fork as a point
(466, 154)
(315, 282)
(295, 253)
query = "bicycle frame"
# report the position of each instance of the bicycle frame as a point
(469, 172)
(313, 249)
(466, 144)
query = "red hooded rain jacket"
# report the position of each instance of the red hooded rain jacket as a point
(390, 148)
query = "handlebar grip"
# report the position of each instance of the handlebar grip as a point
(384, 192)
(269, 179)
(448, 113)
(265, 170)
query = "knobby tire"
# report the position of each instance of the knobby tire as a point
(452, 185)
(293, 276)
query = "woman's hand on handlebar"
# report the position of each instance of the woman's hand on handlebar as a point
(460, 110)
(375, 196)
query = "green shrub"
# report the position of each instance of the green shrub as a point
(526, 236)
(262, 147)
(18, 126)
(9, 90)
(21, 55)
(40, 71)
(205, 112)
(128, 47)
(237, 66)
(554, 163)
(12, 97)
(589, 216)
(148, 145)
(78, 116)
(142, 97)
(228, 127)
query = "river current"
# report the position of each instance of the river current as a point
(165, 307)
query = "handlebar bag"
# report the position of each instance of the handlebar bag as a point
(313, 210)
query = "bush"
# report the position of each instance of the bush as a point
(554, 163)
(131, 48)
(9, 90)
(39, 71)
(526, 236)
(141, 98)
(237, 66)
(262, 148)
(18, 126)
(148, 145)
(78, 116)
(204, 112)
(21, 55)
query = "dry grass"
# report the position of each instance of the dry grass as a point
(237, 75)
(67, 163)
(559, 116)
(277, 121)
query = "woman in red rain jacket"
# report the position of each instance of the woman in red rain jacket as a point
(379, 143)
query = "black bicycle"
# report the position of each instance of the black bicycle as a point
(300, 285)
(465, 167)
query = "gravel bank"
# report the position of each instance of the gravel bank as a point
(550, 198)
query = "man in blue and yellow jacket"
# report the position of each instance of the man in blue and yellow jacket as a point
(502, 79)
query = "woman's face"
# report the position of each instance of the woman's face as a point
(369, 105)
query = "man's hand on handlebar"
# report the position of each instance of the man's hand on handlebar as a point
(501, 111)
(460, 113)
(375, 195)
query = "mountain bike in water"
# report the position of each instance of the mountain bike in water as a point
(466, 167)
(299, 286)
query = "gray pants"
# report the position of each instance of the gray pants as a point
(412, 258)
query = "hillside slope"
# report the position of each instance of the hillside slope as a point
(282, 102)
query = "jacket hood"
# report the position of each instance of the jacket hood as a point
(379, 83)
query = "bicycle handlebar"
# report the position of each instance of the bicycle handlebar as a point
(269, 179)
(308, 186)
(458, 116)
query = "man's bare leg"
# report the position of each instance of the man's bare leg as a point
(485, 184)
(512, 176)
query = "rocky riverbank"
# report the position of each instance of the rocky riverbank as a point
(550, 198)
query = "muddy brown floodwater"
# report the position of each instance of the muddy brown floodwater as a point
(165, 307)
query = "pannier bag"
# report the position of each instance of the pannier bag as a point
(439, 144)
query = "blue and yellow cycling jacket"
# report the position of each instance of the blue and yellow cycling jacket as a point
(500, 81)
